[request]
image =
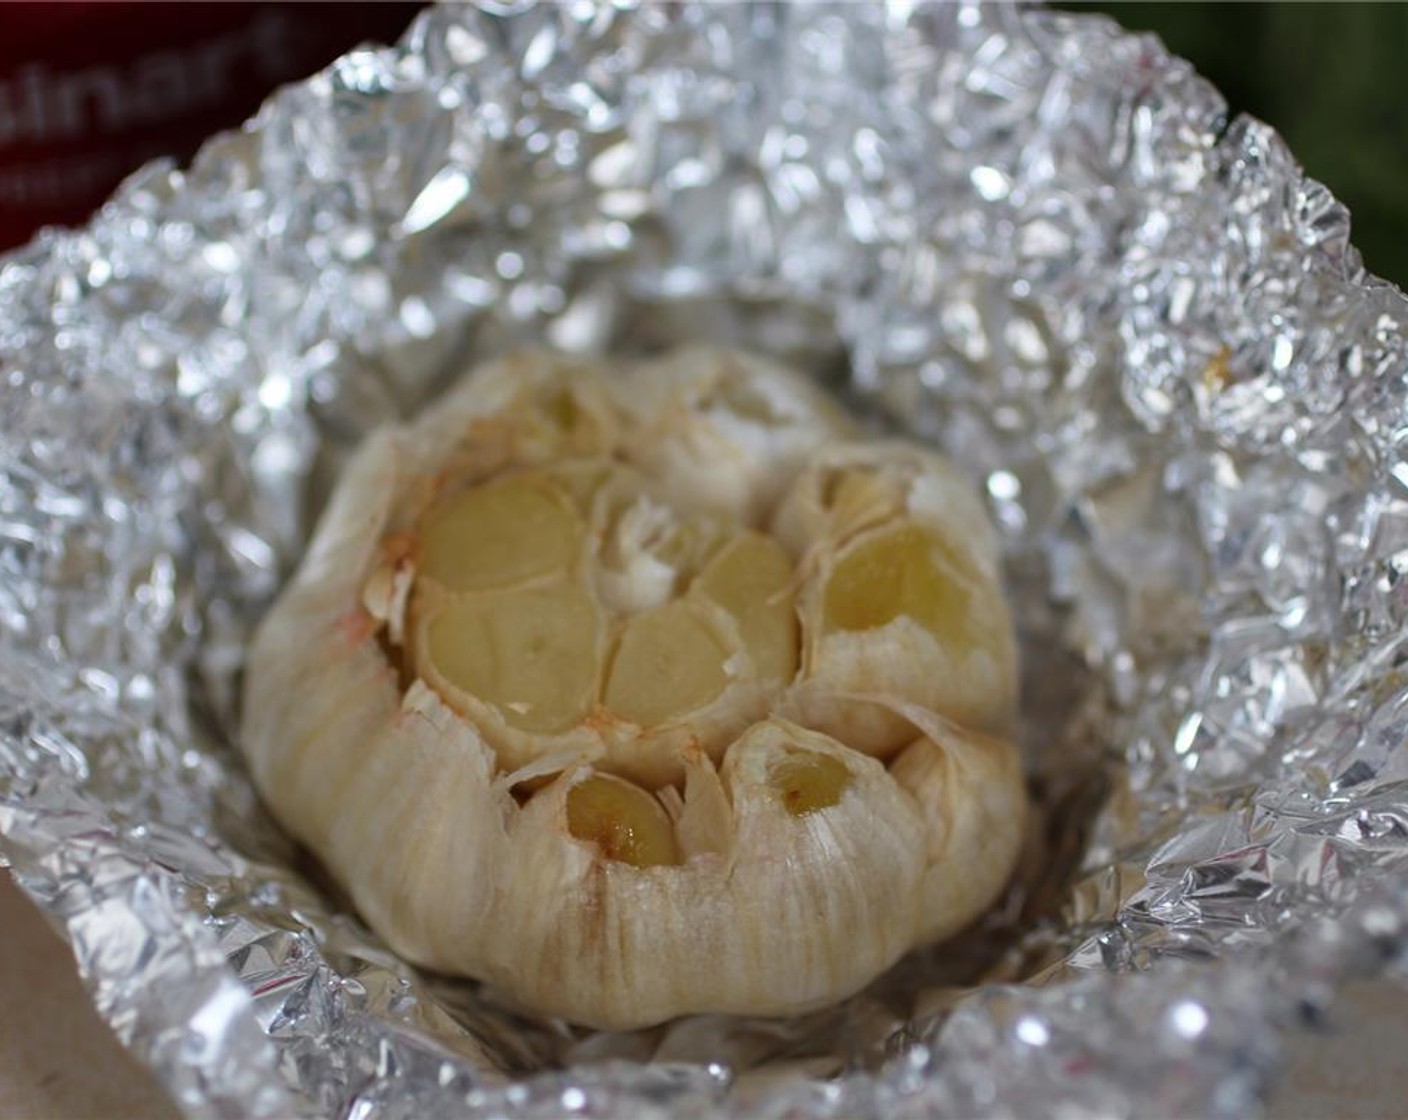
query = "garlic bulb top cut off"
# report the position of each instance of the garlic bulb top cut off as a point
(647, 691)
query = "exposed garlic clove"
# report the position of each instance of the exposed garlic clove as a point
(533, 654)
(898, 613)
(523, 667)
(807, 782)
(753, 578)
(722, 430)
(679, 681)
(668, 663)
(622, 821)
(902, 598)
(501, 534)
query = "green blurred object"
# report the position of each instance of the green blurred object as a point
(1330, 77)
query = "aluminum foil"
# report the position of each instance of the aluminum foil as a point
(1028, 237)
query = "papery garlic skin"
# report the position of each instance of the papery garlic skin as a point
(732, 845)
(724, 430)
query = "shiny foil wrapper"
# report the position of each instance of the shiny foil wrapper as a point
(1027, 237)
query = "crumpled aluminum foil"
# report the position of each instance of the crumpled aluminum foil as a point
(1027, 236)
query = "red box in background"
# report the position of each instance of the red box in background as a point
(90, 91)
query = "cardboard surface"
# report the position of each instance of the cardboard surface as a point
(58, 1060)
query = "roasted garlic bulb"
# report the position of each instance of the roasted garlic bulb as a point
(646, 691)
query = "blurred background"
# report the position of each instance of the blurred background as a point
(1332, 78)
(89, 90)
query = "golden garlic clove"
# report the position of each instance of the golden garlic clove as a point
(500, 534)
(901, 613)
(753, 578)
(807, 782)
(901, 603)
(900, 569)
(531, 653)
(668, 662)
(623, 821)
